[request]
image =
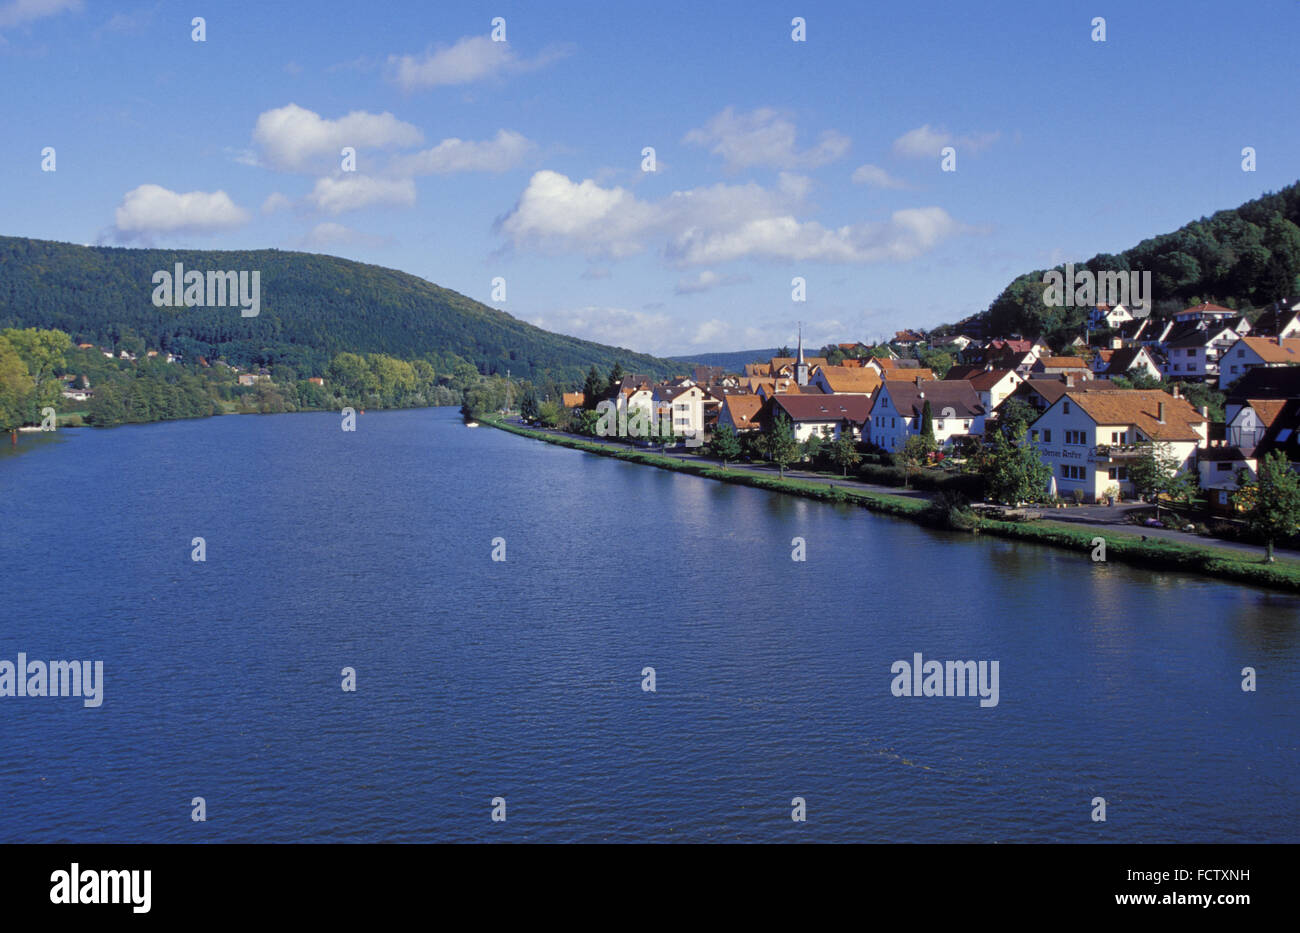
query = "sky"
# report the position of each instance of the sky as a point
(524, 161)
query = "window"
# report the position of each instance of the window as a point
(1071, 472)
(1074, 437)
(939, 424)
(1223, 497)
(965, 425)
(1033, 435)
(1240, 353)
(1047, 435)
(1117, 437)
(893, 422)
(1065, 407)
(1118, 473)
(1223, 467)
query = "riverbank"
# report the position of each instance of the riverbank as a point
(1127, 547)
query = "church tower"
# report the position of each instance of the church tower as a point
(800, 367)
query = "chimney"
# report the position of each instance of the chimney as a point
(1160, 412)
(1176, 393)
(1279, 338)
(1069, 380)
(1205, 412)
(918, 383)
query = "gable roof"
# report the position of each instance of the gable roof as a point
(823, 407)
(846, 379)
(1267, 409)
(957, 394)
(1283, 434)
(1141, 407)
(1062, 362)
(742, 409)
(1194, 334)
(1270, 352)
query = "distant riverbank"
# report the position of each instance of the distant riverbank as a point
(1120, 546)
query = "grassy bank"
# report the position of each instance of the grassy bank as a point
(1122, 546)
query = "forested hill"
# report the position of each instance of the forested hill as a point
(1246, 257)
(312, 307)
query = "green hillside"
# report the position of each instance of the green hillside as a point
(1244, 258)
(312, 307)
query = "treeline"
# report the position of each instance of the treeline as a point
(312, 308)
(36, 364)
(1243, 258)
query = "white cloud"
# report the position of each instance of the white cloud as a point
(706, 226)
(555, 211)
(298, 139)
(275, 202)
(647, 332)
(707, 280)
(764, 137)
(336, 194)
(499, 154)
(152, 209)
(473, 58)
(876, 177)
(924, 142)
(18, 12)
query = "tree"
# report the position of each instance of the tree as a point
(812, 447)
(529, 408)
(15, 387)
(724, 444)
(1012, 469)
(1272, 502)
(783, 448)
(915, 454)
(43, 352)
(616, 374)
(927, 422)
(1014, 417)
(938, 361)
(784, 352)
(844, 452)
(1157, 474)
(593, 389)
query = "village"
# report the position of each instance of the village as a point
(1185, 408)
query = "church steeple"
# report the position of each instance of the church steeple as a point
(801, 367)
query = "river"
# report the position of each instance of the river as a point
(522, 678)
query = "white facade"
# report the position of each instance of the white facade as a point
(889, 428)
(1093, 457)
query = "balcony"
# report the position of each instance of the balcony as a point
(1104, 453)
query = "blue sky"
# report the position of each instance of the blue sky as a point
(775, 158)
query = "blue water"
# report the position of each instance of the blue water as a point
(522, 679)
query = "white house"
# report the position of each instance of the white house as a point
(820, 414)
(1106, 316)
(1251, 352)
(1194, 352)
(898, 408)
(1090, 438)
(992, 385)
(687, 406)
(1126, 362)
